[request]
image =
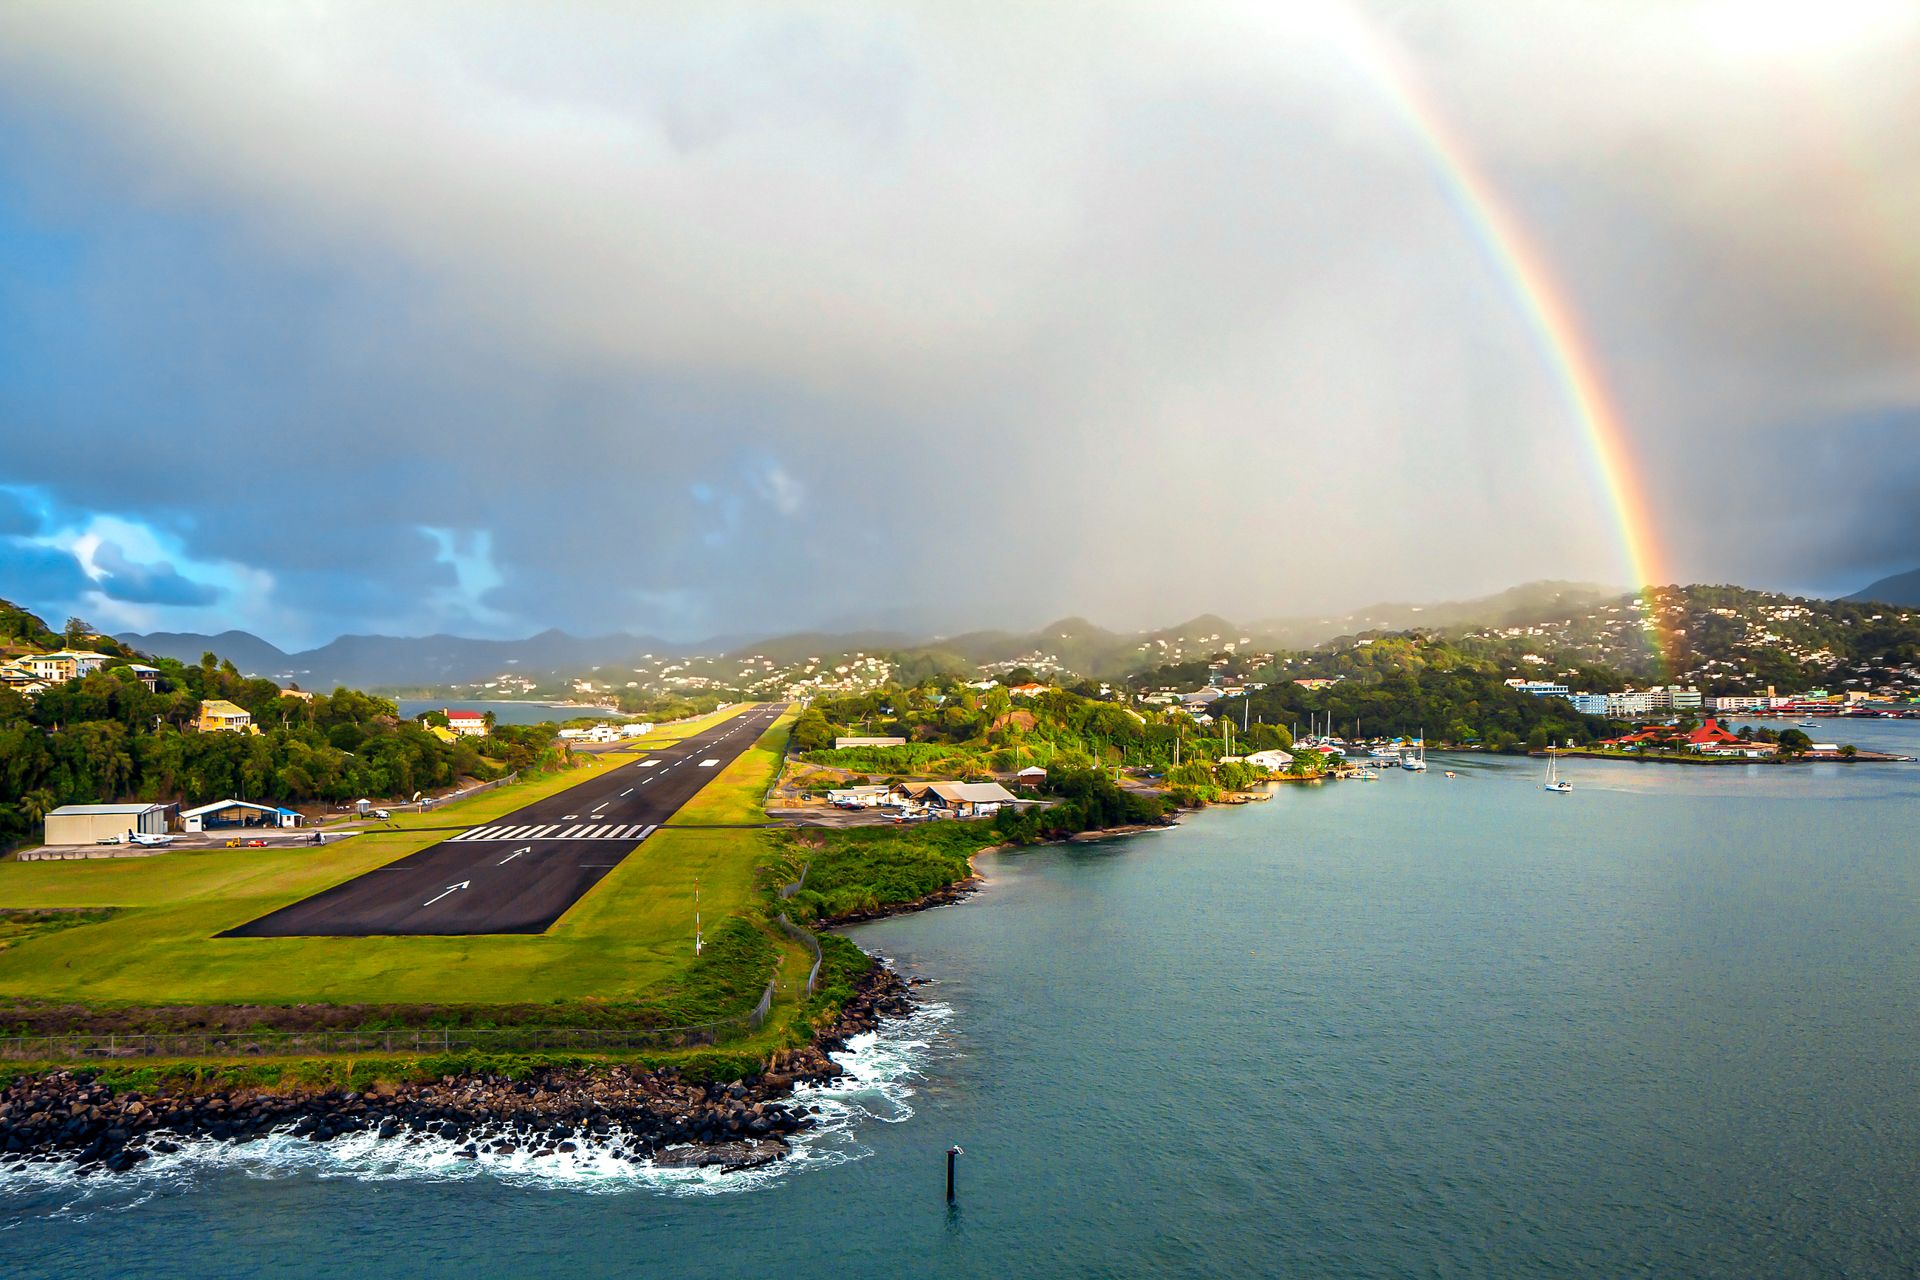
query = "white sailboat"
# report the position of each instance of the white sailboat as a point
(1417, 763)
(1555, 783)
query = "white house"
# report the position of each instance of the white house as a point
(67, 664)
(468, 724)
(1273, 760)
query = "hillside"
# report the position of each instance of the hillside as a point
(108, 736)
(1900, 588)
(375, 661)
(1724, 639)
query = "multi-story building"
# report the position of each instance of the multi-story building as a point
(67, 664)
(1625, 706)
(217, 715)
(1589, 704)
(1674, 698)
(1740, 702)
(467, 724)
(1539, 688)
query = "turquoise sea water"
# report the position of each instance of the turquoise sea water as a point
(1420, 1026)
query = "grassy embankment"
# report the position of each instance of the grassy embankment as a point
(619, 956)
(625, 943)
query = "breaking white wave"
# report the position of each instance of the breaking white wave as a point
(881, 1070)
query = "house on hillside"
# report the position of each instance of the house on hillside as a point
(65, 665)
(300, 694)
(1031, 776)
(1028, 690)
(467, 724)
(146, 675)
(1273, 760)
(217, 715)
(19, 677)
(841, 744)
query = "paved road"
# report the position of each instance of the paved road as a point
(520, 873)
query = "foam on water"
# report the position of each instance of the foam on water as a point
(881, 1068)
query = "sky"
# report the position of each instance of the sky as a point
(750, 318)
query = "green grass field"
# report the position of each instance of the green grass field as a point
(627, 940)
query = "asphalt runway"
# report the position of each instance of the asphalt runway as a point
(520, 873)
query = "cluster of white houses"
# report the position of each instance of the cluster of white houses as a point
(1634, 703)
(35, 672)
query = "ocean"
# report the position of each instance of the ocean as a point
(1420, 1026)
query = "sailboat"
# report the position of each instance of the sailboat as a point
(1555, 783)
(1417, 763)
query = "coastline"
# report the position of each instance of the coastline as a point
(658, 1116)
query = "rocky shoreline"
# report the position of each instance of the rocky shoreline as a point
(631, 1112)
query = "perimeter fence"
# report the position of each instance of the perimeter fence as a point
(807, 940)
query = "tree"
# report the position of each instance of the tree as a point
(35, 805)
(1793, 742)
(1848, 751)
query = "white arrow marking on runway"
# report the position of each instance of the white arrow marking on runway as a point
(464, 884)
(510, 857)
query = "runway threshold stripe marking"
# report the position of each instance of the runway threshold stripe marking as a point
(541, 833)
(568, 834)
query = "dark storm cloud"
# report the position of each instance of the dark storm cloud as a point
(747, 316)
(138, 583)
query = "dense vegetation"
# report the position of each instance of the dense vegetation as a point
(107, 737)
(1402, 686)
(862, 870)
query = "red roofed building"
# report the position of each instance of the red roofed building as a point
(1711, 734)
(468, 724)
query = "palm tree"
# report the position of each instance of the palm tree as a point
(35, 805)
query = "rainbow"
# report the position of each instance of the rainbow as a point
(1541, 300)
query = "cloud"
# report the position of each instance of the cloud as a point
(420, 298)
(136, 583)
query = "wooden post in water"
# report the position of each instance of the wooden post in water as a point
(952, 1154)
